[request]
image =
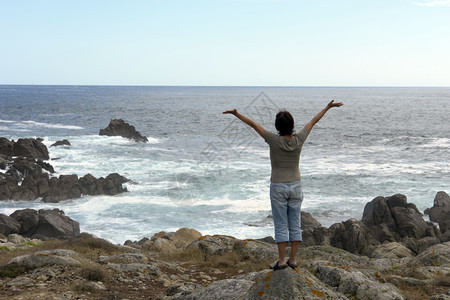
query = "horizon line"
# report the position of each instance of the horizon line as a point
(234, 86)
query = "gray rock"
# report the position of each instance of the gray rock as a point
(352, 236)
(49, 257)
(60, 143)
(440, 207)
(378, 291)
(247, 249)
(214, 244)
(46, 224)
(8, 225)
(118, 127)
(290, 284)
(135, 267)
(17, 239)
(220, 290)
(33, 148)
(434, 255)
(393, 219)
(125, 258)
(391, 250)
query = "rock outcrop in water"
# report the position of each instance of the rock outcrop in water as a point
(26, 176)
(118, 127)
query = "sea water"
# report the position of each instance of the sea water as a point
(209, 171)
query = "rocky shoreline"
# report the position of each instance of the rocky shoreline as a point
(392, 253)
(26, 175)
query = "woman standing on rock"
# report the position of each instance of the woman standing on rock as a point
(286, 194)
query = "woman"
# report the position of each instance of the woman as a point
(286, 194)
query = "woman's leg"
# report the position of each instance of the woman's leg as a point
(294, 220)
(279, 205)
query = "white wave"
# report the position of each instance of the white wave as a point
(23, 125)
(49, 125)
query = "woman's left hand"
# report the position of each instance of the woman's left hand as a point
(232, 111)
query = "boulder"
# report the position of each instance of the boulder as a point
(8, 225)
(46, 224)
(308, 221)
(50, 257)
(32, 148)
(441, 208)
(290, 284)
(392, 219)
(6, 147)
(118, 127)
(248, 249)
(60, 143)
(184, 236)
(352, 236)
(391, 250)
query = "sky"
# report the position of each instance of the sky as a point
(226, 42)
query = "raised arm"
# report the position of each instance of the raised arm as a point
(258, 128)
(319, 116)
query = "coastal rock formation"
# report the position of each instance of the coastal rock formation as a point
(32, 148)
(60, 143)
(45, 224)
(28, 177)
(86, 267)
(118, 127)
(440, 213)
(385, 220)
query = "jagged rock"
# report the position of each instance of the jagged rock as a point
(220, 290)
(134, 267)
(391, 250)
(308, 221)
(118, 127)
(46, 224)
(290, 284)
(60, 143)
(32, 148)
(184, 236)
(8, 225)
(125, 258)
(353, 236)
(214, 244)
(434, 255)
(6, 147)
(49, 257)
(393, 219)
(355, 282)
(247, 249)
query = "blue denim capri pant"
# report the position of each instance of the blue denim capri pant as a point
(286, 201)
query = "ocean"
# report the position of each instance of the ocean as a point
(205, 170)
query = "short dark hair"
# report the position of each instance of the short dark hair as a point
(284, 123)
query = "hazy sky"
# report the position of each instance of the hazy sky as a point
(226, 42)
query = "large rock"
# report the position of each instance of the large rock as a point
(118, 127)
(352, 236)
(440, 212)
(393, 219)
(49, 257)
(6, 147)
(33, 148)
(391, 250)
(46, 224)
(8, 225)
(364, 284)
(290, 284)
